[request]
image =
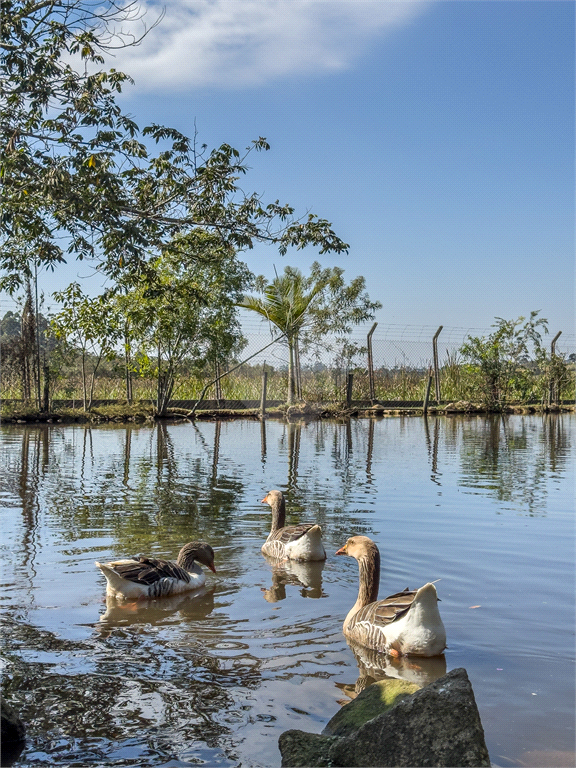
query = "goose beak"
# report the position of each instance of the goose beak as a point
(212, 568)
(264, 500)
(342, 551)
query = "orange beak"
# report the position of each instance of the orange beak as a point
(342, 551)
(264, 500)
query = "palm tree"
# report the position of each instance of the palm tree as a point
(288, 302)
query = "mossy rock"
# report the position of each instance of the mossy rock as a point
(371, 702)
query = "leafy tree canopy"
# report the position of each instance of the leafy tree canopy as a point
(315, 305)
(501, 358)
(307, 309)
(186, 315)
(78, 175)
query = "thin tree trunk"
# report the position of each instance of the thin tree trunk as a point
(166, 393)
(37, 339)
(218, 383)
(297, 369)
(159, 382)
(84, 378)
(291, 388)
(128, 371)
(92, 380)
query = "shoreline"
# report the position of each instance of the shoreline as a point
(146, 413)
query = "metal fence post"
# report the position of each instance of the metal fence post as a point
(427, 395)
(263, 397)
(436, 366)
(371, 365)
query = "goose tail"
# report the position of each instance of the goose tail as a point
(114, 580)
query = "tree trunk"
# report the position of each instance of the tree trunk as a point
(92, 380)
(84, 379)
(291, 386)
(27, 344)
(128, 371)
(166, 380)
(165, 389)
(46, 392)
(297, 369)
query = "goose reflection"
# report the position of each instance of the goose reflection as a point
(374, 666)
(191, 606)
(307, 575)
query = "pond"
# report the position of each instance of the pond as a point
(485, 504)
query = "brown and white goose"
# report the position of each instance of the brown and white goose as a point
(292, 542)
(146, 577)
(407, 623)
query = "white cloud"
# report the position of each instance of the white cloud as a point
(252, 42)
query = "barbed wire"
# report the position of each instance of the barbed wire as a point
(395, 342)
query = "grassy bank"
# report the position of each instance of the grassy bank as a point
(11, 413)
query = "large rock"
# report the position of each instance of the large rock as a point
(371, 702)
(13, 733)
(12, 727)
(438, 725)
(306, 750)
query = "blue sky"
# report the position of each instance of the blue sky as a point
(437, 137)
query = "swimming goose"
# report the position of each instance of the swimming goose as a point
(146, 577)
(294, 542)
(407, 623)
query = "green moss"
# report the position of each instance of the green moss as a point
(371, 702)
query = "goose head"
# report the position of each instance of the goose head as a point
(273, 498)
(360, 547)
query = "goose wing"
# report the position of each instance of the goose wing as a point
(291, 533)
(148, 570)
(386, 611)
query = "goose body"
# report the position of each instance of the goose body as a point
(292, 542)
(406, 623)
(147, 577)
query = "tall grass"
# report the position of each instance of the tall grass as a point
(458, 381)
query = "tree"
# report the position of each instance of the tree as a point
(501, 358)
(23, 339)
(310, 308)
(28, 355)
(186, 315)
(79, 177)
(92, 327)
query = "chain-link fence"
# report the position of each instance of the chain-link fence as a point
(392, 364)
(388, 363)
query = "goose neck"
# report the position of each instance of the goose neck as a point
(369, 568)
(278, 507)
(186, 558)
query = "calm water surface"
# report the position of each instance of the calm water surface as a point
(484, 504)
